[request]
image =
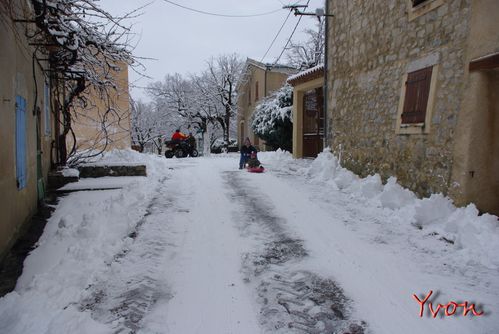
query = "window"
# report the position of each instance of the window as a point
(417, 96)
(417, 2)
(21, 170)
(417, 8)
(46, 107)
(249, 95)
(417, 90)
(256, 91)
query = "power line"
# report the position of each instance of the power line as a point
(273, 41)
(218, 14)
(291, 36)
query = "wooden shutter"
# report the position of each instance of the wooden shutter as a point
(21, 168)
(310, 111)
(416, 96)
(46, 108)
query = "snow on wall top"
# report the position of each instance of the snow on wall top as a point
(307, 75)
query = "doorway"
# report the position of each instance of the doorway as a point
(313, 122)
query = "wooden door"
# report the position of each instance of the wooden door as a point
(313, 122)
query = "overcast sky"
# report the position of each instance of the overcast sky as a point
(181, 40)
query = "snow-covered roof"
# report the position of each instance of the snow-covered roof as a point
(279, 68)
(271, 67)
(307, 75)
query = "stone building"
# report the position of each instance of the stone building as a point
(414, 92)
(258, 81)
(308, 112)
(27, 126)
(104, 123)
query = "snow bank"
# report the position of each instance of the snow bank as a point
(474, 237)
(85, 233)
(70, 172)
(279, 157)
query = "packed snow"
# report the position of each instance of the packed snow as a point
(307, 247)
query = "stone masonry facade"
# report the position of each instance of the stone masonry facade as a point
(371, 45)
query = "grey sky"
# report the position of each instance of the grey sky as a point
(182, 40)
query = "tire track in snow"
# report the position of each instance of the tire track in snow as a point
(292, 300)
(133, 283)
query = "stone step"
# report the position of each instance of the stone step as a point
(112, 170)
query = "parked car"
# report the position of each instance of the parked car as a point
(218, 145)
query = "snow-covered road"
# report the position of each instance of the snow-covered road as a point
(201, 247)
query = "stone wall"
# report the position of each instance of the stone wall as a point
(372, 44)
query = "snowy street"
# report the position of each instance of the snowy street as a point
(202, 247)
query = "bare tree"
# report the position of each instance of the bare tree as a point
(204, 102)
(147, 126)
(221, 79)
(84, 47)
(310, 53)
(177, 100)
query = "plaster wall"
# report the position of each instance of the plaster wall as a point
(268, 81)
(475, 174)
(18, 78)
(88, 122)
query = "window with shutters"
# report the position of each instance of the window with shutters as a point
(417, 90)
(46, 108)
(416, 101)
(21, 166)
(417, 8)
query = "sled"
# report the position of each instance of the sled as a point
(256, 169)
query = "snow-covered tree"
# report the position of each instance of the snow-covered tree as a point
(182, 103)
(147, 126)
(82, 47)
(204, 102)
(220, 80)
(273, 120)
(309, 53)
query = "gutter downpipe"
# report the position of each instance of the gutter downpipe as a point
(326, 42)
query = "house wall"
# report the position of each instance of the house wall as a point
(372, 46)
(275, 80)
(17, 206)
(475, 171)
(87, 124)
(298, 92)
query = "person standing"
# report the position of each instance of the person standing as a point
(246, 150)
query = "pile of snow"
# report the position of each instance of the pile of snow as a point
(280, 157)
(79, 243)
(475, 237)
(154, 163)
(70, 172)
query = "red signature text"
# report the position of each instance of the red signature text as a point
(449, 309)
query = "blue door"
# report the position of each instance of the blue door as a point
(21, 165)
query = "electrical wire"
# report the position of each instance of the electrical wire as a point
(291, 36)
(218, 14)
(273, 41)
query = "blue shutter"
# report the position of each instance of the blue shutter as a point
(21, 168)
(46, 108)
